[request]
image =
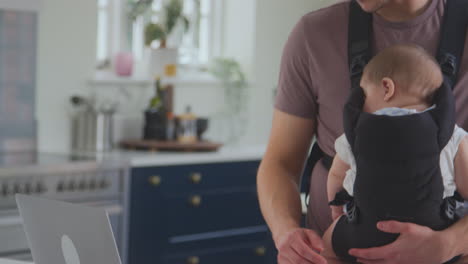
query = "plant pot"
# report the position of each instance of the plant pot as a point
(155, 125)
(163, 62)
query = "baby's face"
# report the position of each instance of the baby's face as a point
(375, 95)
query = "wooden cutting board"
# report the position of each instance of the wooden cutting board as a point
(155, 145)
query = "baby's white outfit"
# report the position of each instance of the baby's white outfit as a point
(447, 156)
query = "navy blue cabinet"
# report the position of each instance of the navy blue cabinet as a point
(197, 214)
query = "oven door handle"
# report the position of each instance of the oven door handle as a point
(15, 220)
(113, 209)
(6, 221)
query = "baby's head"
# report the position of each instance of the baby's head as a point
(404, 76)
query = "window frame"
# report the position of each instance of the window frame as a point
(118, 31)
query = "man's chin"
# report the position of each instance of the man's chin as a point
(371, 6)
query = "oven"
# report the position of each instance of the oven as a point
(99, 184)
(65, 177)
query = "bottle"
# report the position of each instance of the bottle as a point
(156, 101)
(155, 115)
(187, 128)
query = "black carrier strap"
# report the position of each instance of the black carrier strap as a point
(452, 39)
(449, 56)
(315, 155)
(359, 45)
(359, 54)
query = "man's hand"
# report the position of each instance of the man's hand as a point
(416, 244)
(300, 246)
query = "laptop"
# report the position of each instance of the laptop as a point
(67, 233)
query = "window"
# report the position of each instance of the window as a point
(103, 31)
(197, 46)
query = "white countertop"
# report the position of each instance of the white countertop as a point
(163, 158)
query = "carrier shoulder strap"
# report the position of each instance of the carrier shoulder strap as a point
(359, 45)
(452, 39)
(449, 56)
(359, 54)
(359, 30)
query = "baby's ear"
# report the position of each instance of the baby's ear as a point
(389, 88)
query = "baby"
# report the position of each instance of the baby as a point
(400, 83)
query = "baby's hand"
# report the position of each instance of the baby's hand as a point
(337, 211)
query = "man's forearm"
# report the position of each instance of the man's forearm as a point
(279, 198)
(456, 237)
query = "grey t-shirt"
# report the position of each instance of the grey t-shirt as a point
(314, 81)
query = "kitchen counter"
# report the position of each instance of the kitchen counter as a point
(149, 159)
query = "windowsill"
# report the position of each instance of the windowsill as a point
(105, 78)
(183, 78)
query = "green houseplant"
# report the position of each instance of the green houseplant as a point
(235, 85)
(160, 61)
(137, 8)
(172, 16)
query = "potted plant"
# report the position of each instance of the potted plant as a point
(164, 59)
(235, 84)
(161, 31)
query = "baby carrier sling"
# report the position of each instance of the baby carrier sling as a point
(449, 55)
(398, 174)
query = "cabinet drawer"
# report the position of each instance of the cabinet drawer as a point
(199, 177)
(208, 212)
(252, 253)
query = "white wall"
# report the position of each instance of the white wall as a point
(274, 21)
(239, 32)
(254, 33)
(67, 51)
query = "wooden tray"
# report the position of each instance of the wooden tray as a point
(154, 145)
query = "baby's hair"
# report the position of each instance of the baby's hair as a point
(414, 71)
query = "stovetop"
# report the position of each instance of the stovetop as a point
(20, 159)
(58, 176)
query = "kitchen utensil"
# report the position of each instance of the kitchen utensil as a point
(202, 126)
(91, 127)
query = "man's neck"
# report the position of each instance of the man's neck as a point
(403, 10)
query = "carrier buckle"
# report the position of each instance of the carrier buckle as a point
(352, 212)
(341, 198)
(448, 208)
(448, 64)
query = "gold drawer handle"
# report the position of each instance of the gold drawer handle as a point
(155, 180)
(196, 178)
(260, 251)
(193, 260)
(195, 200)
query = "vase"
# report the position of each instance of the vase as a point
(124, 64)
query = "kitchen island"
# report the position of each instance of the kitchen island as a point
(197, 208)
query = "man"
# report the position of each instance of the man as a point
(313, 87)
